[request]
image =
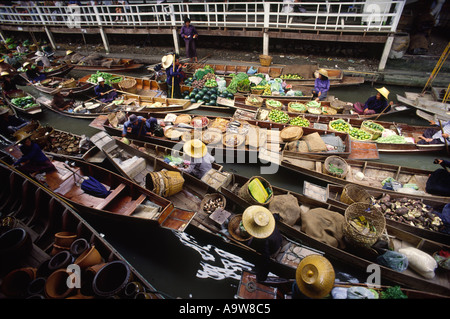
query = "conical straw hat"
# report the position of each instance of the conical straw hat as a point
(258, 221)
(315, 276)
(167, 61)
(323, 72)
(383, 91)
(195, 148)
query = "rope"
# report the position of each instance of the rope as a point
(438, 67)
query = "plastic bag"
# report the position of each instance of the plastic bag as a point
(393, 260)
(421, 262)
(359, 293)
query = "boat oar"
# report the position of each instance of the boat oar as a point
(383, 111)
(445, 140)
(95, 97)
(173, 79)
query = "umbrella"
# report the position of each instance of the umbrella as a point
(91, 186)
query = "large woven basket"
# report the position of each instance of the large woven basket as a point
(71, 83)
(265, 60)
(254, 100)
(375, 133)
(128, 85)
(291, 133)
(244, 192)
(257, 91)
(213, 197)
(164, 183)
(337, 161)
(290, 109)
(353, 194)
(370, 213)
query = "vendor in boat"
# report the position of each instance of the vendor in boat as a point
(33, 75)
(136, 126)
(189, 35)
(9, 124)
(12, 60)
(321, 86)
(434, 135)
(200, 159)
(439, 181)
(153, 127)
(171, 63)
(21, 49)
(59, 101)
(375, 104)
(42, 60)
(266, 238)
(104, 92)
(9, 84)
(33, 161)
(5, 67)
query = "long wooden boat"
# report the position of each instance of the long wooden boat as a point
(50, 84)
(373, 174)
(333, 194)
(121, 65)
(427, 103)
(35, 109)
(43, 220)
(252, 136)
(56, 70)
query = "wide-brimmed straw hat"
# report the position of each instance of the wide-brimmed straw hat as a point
(315, 276)
(167, 61)
(39, 53)
(258, 221)
(22, 138)
(384, 92)
(323, 72)
(26, 64)
(195, 148)
(69, 52)
(4, 73)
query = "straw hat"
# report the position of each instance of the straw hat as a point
(4, 73)
(100, 79)
(258, 221)
(26, 64)
(323, 72)
(383, 91)
(23, 137)
(315, 276)
(236, 229)
(195, 148)
(69, 52)
(167, 61)
(39, 53)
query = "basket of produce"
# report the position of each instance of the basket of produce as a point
(326, 110)
(297, 107)
(200, 122)
(339, 125)
(274, 104)
(278, 116)
(265, 60)
(128, 85)
(172, 133)
(71, 83)
(211, 202)
(244, 86)
(183, 118)
(291, 76)
(233, 140)
(364, 224)
(257, 90)
(354, 194)
(211, 137)
(372, 128)
(335, 166)
(237, 230)
(254, 100)
(291, 133)
(299, 121)
(359, 135)
(41, 135)
(257, 191)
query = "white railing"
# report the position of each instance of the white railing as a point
(354, 16)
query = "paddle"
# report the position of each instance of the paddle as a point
(95, 97)
(442, 130)
(173, 78)
(383, 111)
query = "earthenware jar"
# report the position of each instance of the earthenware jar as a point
(112, 278)
(15, 244)
(133, 288)
(88, 258)
(43, 270)
(145, 295)
(60, 260)
(79, 246)
(88, 278)
(56, 285)
(65, 238)
(36, 287)
(16, 282)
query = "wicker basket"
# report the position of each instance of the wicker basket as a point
(128, 85)
(71, 83)
(337, 161)
(183, 118)
(212, 196)
(375, 133)
(265, 60)
(235, 229)
(291, 133)
(290, 109)
(370, 213)
(334, 130)
(250, 100)
(240, 139)
(353, 194)
(245, 194)
(257, 91)
(164, 183)
(328, 110)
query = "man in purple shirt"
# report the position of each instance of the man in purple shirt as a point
(189, 35)
(321, 86)
(33, 159)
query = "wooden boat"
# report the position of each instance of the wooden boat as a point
(374, 174)
(115, 65)
(50, 84)
(428, 103)
(43, 220)
(56, 70)
(333, 193)
(36, 107)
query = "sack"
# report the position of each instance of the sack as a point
(421, 262)
(315, 143)
(287, 207)
(393, 260)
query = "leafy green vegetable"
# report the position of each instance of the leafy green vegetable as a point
(335, 169)
(394, 139)
(393, 293)
(233, 86)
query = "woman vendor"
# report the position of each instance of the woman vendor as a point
(33, 159)
(375, 104)
(33, 74)
(439, 181)
(174, 75)
(434, 135)
(321, 86)
(201, 160)
(59, 100)
(189, 35)
(9, 85)
(104, 92)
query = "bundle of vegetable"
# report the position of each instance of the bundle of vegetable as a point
(359, 134)
(340, 125)
(237, 78)
(210, 83)
(24, 102)
(299, 107)
(291, 77)
(393, 139)
(244, 86)
(313, 104)
(108, 77)
(278, 116)
(200, 73)
(267, 90)
(274, 104)
(334, 169)
(409, 211)
(299, 121)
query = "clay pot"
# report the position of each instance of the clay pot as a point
(112, 278)
(65, 238)
(133, 288)
(57, 249)
(56, 285)
(79, 246)
(36, 287)
(15, 244)
(88, 279)
(89, 258)
(60, 260)
(43, 270)
(80, 296)
(16, 282)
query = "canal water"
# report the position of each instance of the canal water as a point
(184, 266)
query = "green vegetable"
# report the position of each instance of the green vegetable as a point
(278, 116)
(393, 139)
(335, 169)
(393, 293)
(237, 78)
(313, 104)
(108, 77)
(299, 121)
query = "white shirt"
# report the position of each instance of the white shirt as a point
(446, 128)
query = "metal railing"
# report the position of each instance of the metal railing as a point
(354, 16)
